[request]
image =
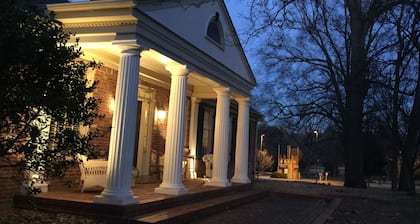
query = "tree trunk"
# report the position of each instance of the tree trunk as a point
(356, 88)
(394, 169)
(353, 148)
(407, 182)
(409, 152)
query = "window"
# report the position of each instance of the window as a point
(214, 30)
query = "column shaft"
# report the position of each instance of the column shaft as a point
(221, 140)
(193, 136)
(117, 190)
(242, 143)
(174, 145)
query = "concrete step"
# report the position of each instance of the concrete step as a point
(195, 210)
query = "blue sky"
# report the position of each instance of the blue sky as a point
(236, 9)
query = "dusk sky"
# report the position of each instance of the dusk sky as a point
(236, 9)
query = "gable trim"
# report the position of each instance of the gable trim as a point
(154, 35)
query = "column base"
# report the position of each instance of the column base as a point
(171, 191)
(219, 183)
(116, 200)
(240, 180)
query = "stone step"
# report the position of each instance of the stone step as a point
(198, 209)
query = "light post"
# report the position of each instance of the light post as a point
(262, 140)
(316, 135)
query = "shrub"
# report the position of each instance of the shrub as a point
(278, 175)
(264, 160)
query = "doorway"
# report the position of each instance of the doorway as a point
(142, 149)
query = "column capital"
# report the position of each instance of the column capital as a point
(243, 100)
(195, 99)
(177, 69)
(131, 49)
(222, 90)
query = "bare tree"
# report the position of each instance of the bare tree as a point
(411, 141)
(322, 56)
(398, 91)
(264, 160)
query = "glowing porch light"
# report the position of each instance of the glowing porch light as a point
(160, 115)
(112, 104)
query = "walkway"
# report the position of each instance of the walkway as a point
(304, 202)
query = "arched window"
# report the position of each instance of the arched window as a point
(214, 30)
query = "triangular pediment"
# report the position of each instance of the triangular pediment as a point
(190, 19)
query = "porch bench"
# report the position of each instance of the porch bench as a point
(92, 172)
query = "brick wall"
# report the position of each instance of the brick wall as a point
(71, 179)
(105, 92)
(8, 186)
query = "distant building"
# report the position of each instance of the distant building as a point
(288, 163)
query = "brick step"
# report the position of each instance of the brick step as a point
(120, 212)
(196, 210)
(185, 199)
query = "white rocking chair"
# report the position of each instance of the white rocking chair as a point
(92, 172)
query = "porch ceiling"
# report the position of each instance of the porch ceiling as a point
(152, 68)
(101, 25)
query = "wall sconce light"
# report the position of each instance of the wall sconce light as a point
(112, 104)
(160, 112)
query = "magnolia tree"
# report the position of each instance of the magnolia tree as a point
(44, 93)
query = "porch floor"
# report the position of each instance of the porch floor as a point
(71, 200)
(145, 192)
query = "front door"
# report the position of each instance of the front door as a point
(144, 131)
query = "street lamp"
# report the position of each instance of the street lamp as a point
(261, 143)
(316, 135)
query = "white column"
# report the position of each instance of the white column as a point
(242, 143)
(221, 140)
(121, 146)
(193, 136)
(174, 145)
